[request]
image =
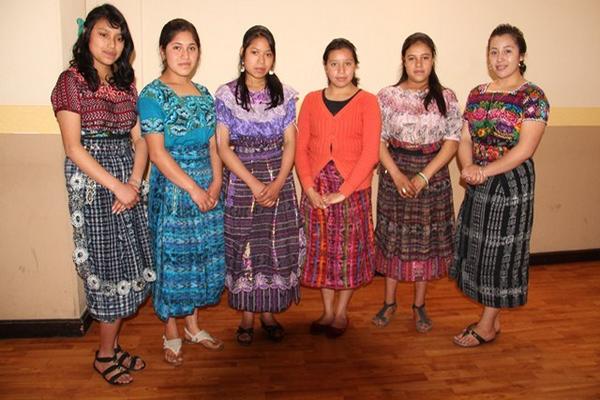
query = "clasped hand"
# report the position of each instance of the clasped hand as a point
(473, 175)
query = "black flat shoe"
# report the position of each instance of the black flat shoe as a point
(275, 332)
(317, 329)
(332, 332)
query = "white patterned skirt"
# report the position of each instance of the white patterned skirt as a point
(491, 261)
(112, 251)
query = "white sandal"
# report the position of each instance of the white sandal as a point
(204, 338)
(173, 346)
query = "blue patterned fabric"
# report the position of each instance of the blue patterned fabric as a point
(188, 244)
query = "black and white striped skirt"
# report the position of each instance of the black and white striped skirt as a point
(112, 252)
(491, 261)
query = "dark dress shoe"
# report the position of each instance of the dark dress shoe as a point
(332, 332)
(317, 328)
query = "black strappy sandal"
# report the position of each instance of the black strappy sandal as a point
(422, 322)
(275, 333)
(106, 374)
(122, 360)
(380, 319)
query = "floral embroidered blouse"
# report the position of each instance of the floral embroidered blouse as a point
(406, 120)
(495, 118)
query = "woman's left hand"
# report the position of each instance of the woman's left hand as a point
(214, 192)
(333, 198)
(269, 195)
(418, 183)
(473, 175)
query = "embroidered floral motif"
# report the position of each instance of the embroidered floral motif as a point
(77, 219)
(260, 281)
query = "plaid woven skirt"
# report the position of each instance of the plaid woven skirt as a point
(491, 263)
(264, 246)
(112, 252)
(414, 237)
(340, 251)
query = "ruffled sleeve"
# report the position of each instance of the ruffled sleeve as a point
(66, 94)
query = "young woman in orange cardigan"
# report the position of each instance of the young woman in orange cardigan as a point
(337, 150)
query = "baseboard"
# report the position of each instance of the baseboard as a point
(45, 327)
(562, 257)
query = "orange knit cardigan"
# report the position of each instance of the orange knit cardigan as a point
(350, 138)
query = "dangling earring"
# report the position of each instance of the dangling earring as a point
(271, 72)
(242, 69)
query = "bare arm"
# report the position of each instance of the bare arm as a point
(441, 159)
(214, 189)
(270, 193)
(141, 156)
(70, 130)
(173, 172)
(233, 163)
(400, 180)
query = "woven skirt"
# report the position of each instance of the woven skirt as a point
(340, 250)
(414, 237)
(491, 262)
(187, 243)
(264, 246)
(112, 251)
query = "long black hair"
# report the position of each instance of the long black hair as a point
(122, 71)
(274, 86)
(338, 44)
(172, 28)
(436, 90)
(517, 35)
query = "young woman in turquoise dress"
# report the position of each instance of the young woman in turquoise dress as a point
(185, 215)
(504, 123)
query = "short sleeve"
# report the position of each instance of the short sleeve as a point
(65, 95)
(290, 113)
(224, 115)
(152, 116)
(385, 120)
(535, 105)
(454, 119)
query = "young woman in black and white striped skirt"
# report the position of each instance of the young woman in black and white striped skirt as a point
(505, 121)
(95, 104)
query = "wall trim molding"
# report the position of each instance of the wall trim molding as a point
(562, 257)
(38, 328)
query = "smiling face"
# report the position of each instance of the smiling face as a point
(181, 54)
(340, 68)
(418, 63)
(258, 59)
(106, 44)
(504, 56)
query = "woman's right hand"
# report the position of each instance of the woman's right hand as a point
(405, 187)
(126, 195)
(315, 199)
(202, 199)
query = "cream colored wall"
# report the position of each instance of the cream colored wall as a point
(37, 278)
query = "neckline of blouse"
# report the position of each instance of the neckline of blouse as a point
(197, 86)
(485, 89)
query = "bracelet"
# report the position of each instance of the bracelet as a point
(135, 182)
(424, 177)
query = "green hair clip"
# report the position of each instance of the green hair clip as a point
(80, 26)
